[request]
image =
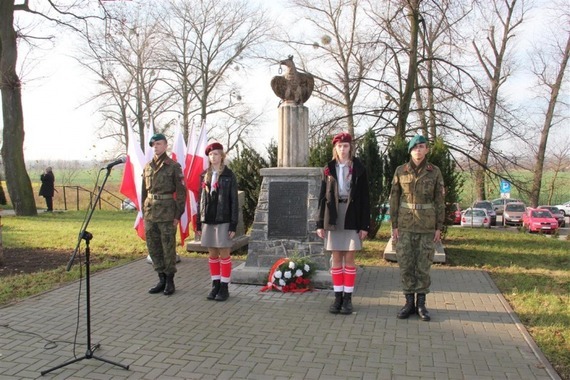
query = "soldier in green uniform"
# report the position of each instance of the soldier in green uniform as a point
(164, 199)
(417, 213)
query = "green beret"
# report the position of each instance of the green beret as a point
(417, 139)
(156, 137)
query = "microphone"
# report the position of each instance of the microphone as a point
(119, 161)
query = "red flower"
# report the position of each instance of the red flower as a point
(216, 186)
(299, 280)
(204, 185)
(327, 171)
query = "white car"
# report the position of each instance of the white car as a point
(564, 208)
(476, 217)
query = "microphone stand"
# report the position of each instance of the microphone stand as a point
(87, 236)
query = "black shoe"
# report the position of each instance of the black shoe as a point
(408, 309)
(337, 304)
(422, 311)
(160, 286)
(224, 292)
(346, 304)
(169, 288)
(215, 290)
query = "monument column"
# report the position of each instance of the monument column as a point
(293, 132)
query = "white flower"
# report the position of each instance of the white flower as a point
(307, 268)
(292, 265)
(277, 274)
(299, 273)
(282, 282)
(287, 274)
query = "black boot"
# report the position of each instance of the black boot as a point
(224, 292)
(169, 288)
(160, 286)
(215, 290)
(409, 308)
(346, 304)
(422, 311)
(337, 304)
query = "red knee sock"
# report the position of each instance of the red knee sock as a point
(349, 279)
(337, 279)
(214, 268)
(226, 266)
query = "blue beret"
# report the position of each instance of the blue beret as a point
(156, 137)
(417, 139)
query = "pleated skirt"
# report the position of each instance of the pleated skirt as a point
(215, 235)
(341, 239)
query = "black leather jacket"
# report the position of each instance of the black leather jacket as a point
(219, 205)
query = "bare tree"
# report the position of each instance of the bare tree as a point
(552, 78)
(339, 53)
(505, 17)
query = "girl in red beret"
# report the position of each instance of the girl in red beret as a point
(218, 219)
(344, 217)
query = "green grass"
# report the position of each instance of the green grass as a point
(532, 271)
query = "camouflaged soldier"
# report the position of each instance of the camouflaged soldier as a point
(164, 199)
(417, 213)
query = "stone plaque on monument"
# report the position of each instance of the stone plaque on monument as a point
(287, 209)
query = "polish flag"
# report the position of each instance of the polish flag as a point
(196, 163)
(131, 184)
(179, 155)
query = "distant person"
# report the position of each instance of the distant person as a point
(218, 212)
(344, 218)
(48, 187)
(417, 210)
(164, 200)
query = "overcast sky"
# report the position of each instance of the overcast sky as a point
(59, 127)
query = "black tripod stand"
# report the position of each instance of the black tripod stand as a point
(84, 235)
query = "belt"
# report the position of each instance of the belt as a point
(160, 196)
(343, 200)
(417, 206)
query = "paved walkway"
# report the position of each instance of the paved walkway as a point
(473, 334)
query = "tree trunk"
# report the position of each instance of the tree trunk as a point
(17, 179)
(539, 165)
(413, 8)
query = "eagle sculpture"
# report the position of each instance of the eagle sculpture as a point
(293, 86)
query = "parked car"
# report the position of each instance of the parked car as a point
(127, 204)
(536, 220)
(487, 205)
(565, 208)
(476, 217)
(513, 214)
(555, 211)
(455, 213)
(499, 204)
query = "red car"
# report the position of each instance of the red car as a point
(455, 213)
(539, 220)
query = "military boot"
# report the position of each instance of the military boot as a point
(215, 290)
(346, 304)
(169, 288)
(224, 292)
(423, 313)
(337, 304)
(160, 286)
(409, 308)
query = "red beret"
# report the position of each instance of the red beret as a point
(342, 137)
(214, 146)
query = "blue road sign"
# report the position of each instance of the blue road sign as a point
(505, 186)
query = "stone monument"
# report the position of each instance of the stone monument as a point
(287, 209)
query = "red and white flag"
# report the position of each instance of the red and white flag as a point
(131, 184)
(196, 163)
(179, 155)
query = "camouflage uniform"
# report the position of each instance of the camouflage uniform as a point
(164, 199)
(417, 210)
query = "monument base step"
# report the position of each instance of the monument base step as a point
(390, 253)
